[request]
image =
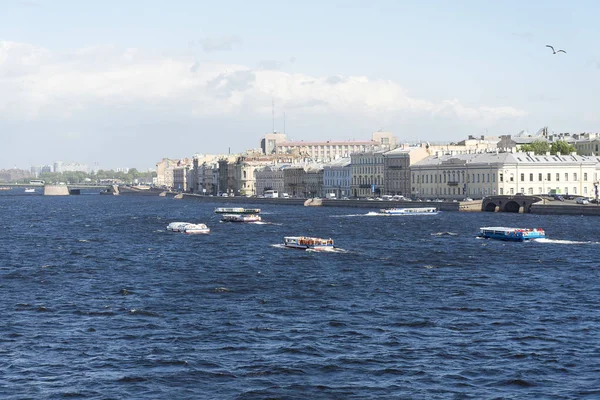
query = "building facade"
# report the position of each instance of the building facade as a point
(269, 177)
(480, 175)
(367, 174)
(337, 178)
(324, 151)
(303, 181)
(396, 168)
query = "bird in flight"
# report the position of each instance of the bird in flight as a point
(556, 51)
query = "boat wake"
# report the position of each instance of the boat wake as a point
(319, 250)
(557, 241)
(354, 215)
(444, 234)
(327, 250)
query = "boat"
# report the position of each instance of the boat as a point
(177, 226)
(241, 218)
(407, 211)
(511, 234)
(305, 242)
(29, 190)
(192, 229)
(5, 188)
(236, 210)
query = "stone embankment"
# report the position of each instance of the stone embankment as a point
(56, 190)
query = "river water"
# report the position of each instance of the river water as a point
(99, 301)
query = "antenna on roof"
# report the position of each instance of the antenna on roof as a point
(273, 100)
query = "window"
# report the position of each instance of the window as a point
(501, 191)
(585, 174)
(566, 176)
(522, 177)
(574, 176)
(530, 177)
(530, 191)
(540, 177)
(512, 190)
(501, 179)
(574, 190)
(548, 178)
(557, 177)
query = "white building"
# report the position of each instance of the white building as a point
(324, 151)
(480, 175)
(337, 177)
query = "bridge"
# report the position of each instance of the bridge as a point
(57, 190)
(508, 203)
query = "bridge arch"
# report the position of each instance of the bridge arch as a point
(490, 207)
(512, 206)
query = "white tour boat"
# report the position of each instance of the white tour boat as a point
(240, 218)
(192, 229)
(29, 190)
(177, 226)
(236, 210)
(304, 242)
(407, 211)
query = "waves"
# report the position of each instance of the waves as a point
(100, 305)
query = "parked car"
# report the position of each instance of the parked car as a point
(558, 197)
(582, 200)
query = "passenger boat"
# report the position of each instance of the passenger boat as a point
(511, 234)
(240, 218)
(29, 190)
(177, 226)
(407, 211)
(192, 229)
(304, 242)
(236, 210)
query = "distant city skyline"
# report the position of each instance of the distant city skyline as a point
(130, 83)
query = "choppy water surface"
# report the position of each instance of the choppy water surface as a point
(100, 302)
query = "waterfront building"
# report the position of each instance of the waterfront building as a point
(337, 177)
(247, 164)
(204, 178)
(367, 174)
(324, 151)
(164, 172)
(396, 168)
(269, 177)
(303, 180)
(182, 175)
(480, 175)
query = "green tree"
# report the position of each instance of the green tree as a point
(538, 147)
(562, 147)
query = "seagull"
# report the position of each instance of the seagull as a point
(554, 51)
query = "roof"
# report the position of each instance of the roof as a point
(506, 158)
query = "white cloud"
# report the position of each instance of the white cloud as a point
(36, 83)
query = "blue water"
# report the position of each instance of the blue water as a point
(100, 302)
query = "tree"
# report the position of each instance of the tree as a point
(538, 147)
(562, 147)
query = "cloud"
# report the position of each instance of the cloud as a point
(37, 84)
(334, 80)
(222, 43)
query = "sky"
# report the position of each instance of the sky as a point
(122, 84)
